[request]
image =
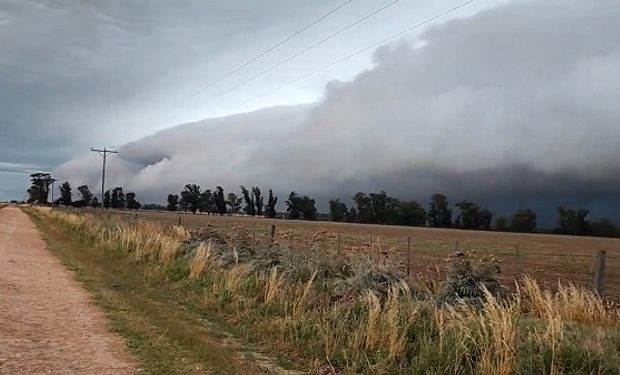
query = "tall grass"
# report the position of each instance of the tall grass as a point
(296, 310)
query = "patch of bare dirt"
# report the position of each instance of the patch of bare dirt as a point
(48, 325)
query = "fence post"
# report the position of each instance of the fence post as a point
(599, 276)
(408, 256)
(273, 231)
(518, 259)
(254, 238)
(179, 220)
(370, 240)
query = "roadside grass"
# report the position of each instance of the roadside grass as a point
(322, 313)
(161, 325)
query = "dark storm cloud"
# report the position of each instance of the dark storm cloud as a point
(516, 105)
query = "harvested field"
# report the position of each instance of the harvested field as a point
(548, 258)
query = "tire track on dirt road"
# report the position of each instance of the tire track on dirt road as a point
(48, 324)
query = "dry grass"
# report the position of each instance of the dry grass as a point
(535, 330)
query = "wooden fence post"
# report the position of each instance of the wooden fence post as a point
(599, 276)
(408, 256)
(254, 238)
(179, 220)
(518, 259)
(273, 231)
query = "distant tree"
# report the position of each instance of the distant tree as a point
(258, 200)
(411, 213)
(249, 201)
(571, 221)
(206, 202)
(234, 203)
(270, 209)
(153, 206)
(39, 188)
(308, 208)
(378, 205)
(603, 228)
(191, 198)
(132, 203)
(219, 200)
(351, 215)
(466, 219)
(523, 221)
(501, 224)
(293, 206)
(337, 210)
(173, 202)
(364, 207)
(484, 219)
(87, 196)
(94, 202)
(106, 199)
(439, 214)
(118, 198)
(65, 193)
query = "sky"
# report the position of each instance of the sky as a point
(510, 103)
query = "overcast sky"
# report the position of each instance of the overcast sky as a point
(508, 102)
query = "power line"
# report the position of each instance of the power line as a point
(271, 68)
(383, 41)
(321, 18)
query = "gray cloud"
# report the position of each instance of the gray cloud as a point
(515, 105)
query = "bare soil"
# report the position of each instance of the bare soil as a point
(48, 324)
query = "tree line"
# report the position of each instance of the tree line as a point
(369, 208)
(39, 192)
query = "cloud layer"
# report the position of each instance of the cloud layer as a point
(516, 105)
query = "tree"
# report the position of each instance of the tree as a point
(466, 219)
(307, 208)
(364, 207)
(39, 189)
(219, 200)
(191, 198)
(132, 203)
(501, 224)
(106, 199)
(65, 193)
(523, 221)
(249, 201)
(87, 196)
(352, 215)
(484, 219)
(411, 213)
(234, 204)
(439, 214)
(206, 202)
(572, 221)
(94, 202)
(603, 228)
(337, 210)
(258, 200)
(118, 198)
(173, 202)
(293, 205)
(270, 209)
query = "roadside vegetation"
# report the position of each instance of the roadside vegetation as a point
(336, 313)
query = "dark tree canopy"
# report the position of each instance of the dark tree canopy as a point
(219, 200)
(293, 205)
(249, 201)
(571, 221)
(337, 210)
(439, 214)
(118, 198)
(173, 202)
(234, 203)
(523, 221)
(106, 199)
(270, 208)
(132, 203)
(87, 196)
(191, 198)
(65, 194)
(259, 201)
(39, 188)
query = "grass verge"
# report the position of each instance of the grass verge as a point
(158, 321)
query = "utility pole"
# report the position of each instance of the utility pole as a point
(52, 181)
(104, 154)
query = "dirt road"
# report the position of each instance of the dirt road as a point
(47, 322)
